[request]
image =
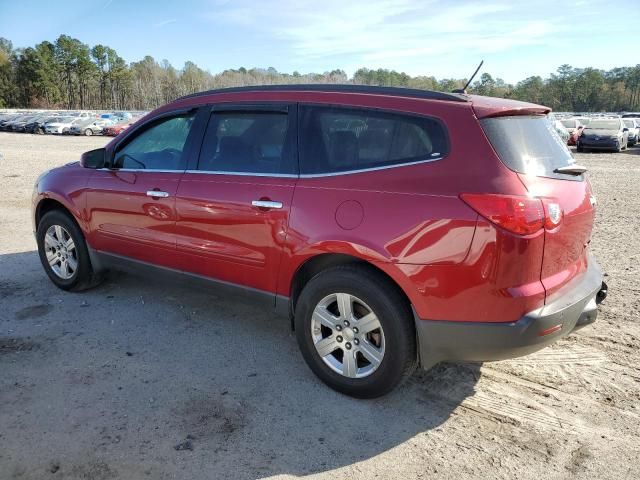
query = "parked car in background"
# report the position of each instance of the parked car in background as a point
(604, 134)
(574, 127)
(562, 132)
(60, 125)
(37, 125)
(88, 127)
(392, 226)
(114, 130)
(7, 125)
(633, 124)
(18, 125)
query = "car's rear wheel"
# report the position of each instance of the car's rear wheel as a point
(63, 252)
(355, 331)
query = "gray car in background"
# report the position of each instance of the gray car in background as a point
(89, 126)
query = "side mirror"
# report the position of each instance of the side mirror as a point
(93, 158)
(625, 129)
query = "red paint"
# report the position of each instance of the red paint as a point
(409, 221)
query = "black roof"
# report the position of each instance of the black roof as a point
(340, 88)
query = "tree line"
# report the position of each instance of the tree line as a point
(70, 74)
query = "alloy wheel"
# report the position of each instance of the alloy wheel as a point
(61, 253)
(347, 335)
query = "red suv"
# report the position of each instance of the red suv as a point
(395, 227)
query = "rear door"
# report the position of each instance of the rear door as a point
(131, 205)
(233, 204)
(530, 146)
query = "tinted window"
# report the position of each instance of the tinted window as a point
(248, 142)
(158, 147)
(338, 139)
(528, 145)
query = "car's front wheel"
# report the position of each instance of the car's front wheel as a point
(63, 252)
(355, 331)
(88, 132)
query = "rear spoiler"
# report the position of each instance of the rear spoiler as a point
(510, 112)
(487, 107)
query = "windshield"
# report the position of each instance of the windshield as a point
(630, 123)
(528, 144)
(604, 125)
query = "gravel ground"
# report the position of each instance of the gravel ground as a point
(137, 379)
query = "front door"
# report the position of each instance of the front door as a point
(233, 205)
(131, 205)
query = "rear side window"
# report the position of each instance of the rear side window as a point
(337, 139)
(528, 144)
(248, 142)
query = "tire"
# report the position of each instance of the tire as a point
(579, 148)
(59, 224)
(88, 132)
(390, 343)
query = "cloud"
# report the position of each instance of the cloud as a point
(164, 23)
(389, 30)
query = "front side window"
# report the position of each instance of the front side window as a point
(159, 147)
(337, 139)
(248, 142)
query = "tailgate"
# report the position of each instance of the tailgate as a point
(530, 146)
(565, 247)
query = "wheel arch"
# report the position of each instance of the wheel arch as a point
(48, 204)
(316, 264)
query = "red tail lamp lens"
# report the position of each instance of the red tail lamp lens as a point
(517, 214)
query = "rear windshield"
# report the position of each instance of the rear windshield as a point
(528, 144)
(604, 125)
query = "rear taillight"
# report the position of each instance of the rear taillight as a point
(517, 214)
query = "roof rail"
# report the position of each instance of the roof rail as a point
(340, 88)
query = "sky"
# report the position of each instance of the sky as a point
(443, 38)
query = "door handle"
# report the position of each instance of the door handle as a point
(157, 194)
(266, 204)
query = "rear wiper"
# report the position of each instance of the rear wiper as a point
(571, 170)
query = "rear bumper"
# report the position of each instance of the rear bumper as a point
(574, 307)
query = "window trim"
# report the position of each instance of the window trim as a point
(376, 110)
(371, 169)
(290, 109)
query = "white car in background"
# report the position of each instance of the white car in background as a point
(60, 125)
(633, 124)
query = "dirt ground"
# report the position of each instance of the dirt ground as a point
(137, 379)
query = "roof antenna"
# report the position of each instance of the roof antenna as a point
(464, 90)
